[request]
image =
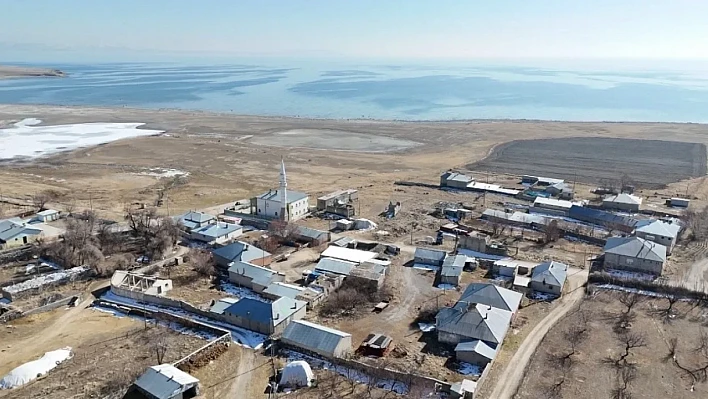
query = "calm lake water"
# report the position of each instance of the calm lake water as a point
(403, 92)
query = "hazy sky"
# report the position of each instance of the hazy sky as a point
(659, 29)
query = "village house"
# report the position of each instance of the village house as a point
(16, 233)
(455, 180)
(339, 202)
(368, 273)
(217, 233)
(334, 266)
(605, 219)
(659, 232)
(241, 252)
(622, 202)
(311, 236)
(492, 295)
(563, 190)
(467, 321)
(552, 206)
(451, 270)
(549, 277)
(264, 317)
(254, 277)
(194, 220)
(164, 382)
(347, 254)
(431, 257)
(317, 339)
(634, 254)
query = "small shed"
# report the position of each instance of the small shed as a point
(475, 352)
(452, 269)
(678, 202)
(463, 390)
(165, 382)
(344, 224)
(318, 339)
(47, 215)
(376, 345)
(311, 236)
(432, 257)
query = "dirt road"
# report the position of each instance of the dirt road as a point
(510, 380)
(243, 374)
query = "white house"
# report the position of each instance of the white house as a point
(47, 215)
(622, 202)
(281, 203)
(659, 232)
(218, 233)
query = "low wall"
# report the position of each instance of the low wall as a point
(210, 351)
(51, 306)
(15, 254)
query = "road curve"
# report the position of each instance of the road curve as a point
(510, 380)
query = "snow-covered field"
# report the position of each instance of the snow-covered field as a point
(35, 369)
(623, 274)
(64, 275)
(26, 139)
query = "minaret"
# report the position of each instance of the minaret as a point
(283, 192)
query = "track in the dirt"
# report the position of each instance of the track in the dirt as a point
(648, 163)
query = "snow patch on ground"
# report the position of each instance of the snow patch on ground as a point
(242, 292)
(354, 375)
(623, 274)
(163, 172)
(446, 287)
(246, 338)
(628, 289)
(171, 325)
(51, 278)
(469, 369)
(35, 369)
(26, 139)
(426, 327)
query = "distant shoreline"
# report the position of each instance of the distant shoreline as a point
(15, 72)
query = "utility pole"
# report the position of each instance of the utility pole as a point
(90, 200)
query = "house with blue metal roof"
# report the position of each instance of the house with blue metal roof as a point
(265, 317)
(194, 220)
(217, 233)
(241, 252)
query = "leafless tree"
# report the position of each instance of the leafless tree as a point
(282, 230)
(159, 346)
(697, 370)
(79, 246)
(108, 240)
(625, 376)
(551, 231)
(669, 313)
(70, 207)
(629, 341)
(203, 262)
(630, 300)
(156, 234)
(697, 223)
(41, 199)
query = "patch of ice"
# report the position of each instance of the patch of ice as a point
(426, 327)
(25, 139)
(623, 274)
(469, 369)
(246, 338)
(40, 281)
(446, 287)
(242, 292)
(164, 172)
(35, 369)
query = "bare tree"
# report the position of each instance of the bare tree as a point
(156, 234)
(282, 230)
(159, 346)
(41, 199)
(625, 376)
(551, 231)
(203, 262)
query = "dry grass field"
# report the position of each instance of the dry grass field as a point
(584, 355)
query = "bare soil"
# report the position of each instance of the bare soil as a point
(649, 163)
(591, 377)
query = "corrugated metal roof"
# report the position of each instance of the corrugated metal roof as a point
(274, 195)
(265, 312)
(217, 230)
(283, 290)
(10, 228)
(336, 266)
(623, 198)
(336, 194)
(240, 251)
(477, 346)
(472, 321)
(553, 273)
(492, 295)
(553, 203)
(310, 232)
(657, 227)
(165, 381)
(453, 265)
(599, 217)
(314, 337)
(348, 254)
(48, 212)
(251, 271)
(636, 247)
(197, 217)
(343, 242)
(221, 305)
(521, 281)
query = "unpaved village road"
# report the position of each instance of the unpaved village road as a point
(510, 380)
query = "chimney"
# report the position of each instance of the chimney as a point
(277, 316)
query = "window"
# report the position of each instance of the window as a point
(276, 213)
(159, 290)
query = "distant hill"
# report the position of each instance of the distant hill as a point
(27, 72)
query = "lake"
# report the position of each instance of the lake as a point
(377, 91)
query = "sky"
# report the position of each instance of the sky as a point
(79, 30)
